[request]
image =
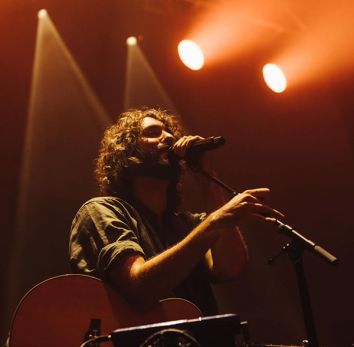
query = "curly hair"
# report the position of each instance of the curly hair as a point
(118, 150)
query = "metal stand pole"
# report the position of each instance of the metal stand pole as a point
(295, 251)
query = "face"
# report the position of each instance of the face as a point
(153, 144)
(154, 138)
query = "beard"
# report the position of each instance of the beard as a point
(160, 165)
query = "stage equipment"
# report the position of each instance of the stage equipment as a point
(191, 54)
(131, 41)
(274, 78)
(69, 309)
(220, 330)
(199, 147)
(295, 250)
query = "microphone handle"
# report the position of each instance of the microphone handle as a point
(201, 146)
(207, 144)
(212, 142)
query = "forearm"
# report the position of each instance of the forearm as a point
(145, 282)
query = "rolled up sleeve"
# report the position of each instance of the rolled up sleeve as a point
(102, 234)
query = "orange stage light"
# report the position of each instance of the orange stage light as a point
(131, 41)
(191, 54)
(274, 78)
(42, 13)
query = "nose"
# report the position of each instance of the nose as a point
(167, 138)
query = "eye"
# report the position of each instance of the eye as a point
(152, 132)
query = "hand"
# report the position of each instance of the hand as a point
(250, 203)
(195, 161)
(181, 146)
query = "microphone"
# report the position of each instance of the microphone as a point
(201, 146)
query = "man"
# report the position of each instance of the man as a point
(135, 237)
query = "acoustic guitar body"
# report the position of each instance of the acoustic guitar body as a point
(58, 312)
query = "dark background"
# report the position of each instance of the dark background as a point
(299, 144)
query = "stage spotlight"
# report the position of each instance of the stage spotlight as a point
(274, 77)
(132, 41)
(191, 54)
(42, 14)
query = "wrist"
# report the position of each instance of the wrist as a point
(214, 219)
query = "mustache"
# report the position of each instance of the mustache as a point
(163, 147)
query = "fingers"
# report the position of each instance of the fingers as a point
(250, 203)
(269, 220)
(266, 211)
(181, 146)
(252, 195)
(261, 194)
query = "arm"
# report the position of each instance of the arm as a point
(144, 282)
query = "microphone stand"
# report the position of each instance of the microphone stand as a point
(294, 250)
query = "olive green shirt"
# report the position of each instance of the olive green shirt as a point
(105, 229)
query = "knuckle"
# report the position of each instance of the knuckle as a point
(245, 204)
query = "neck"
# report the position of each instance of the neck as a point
(152, 193)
